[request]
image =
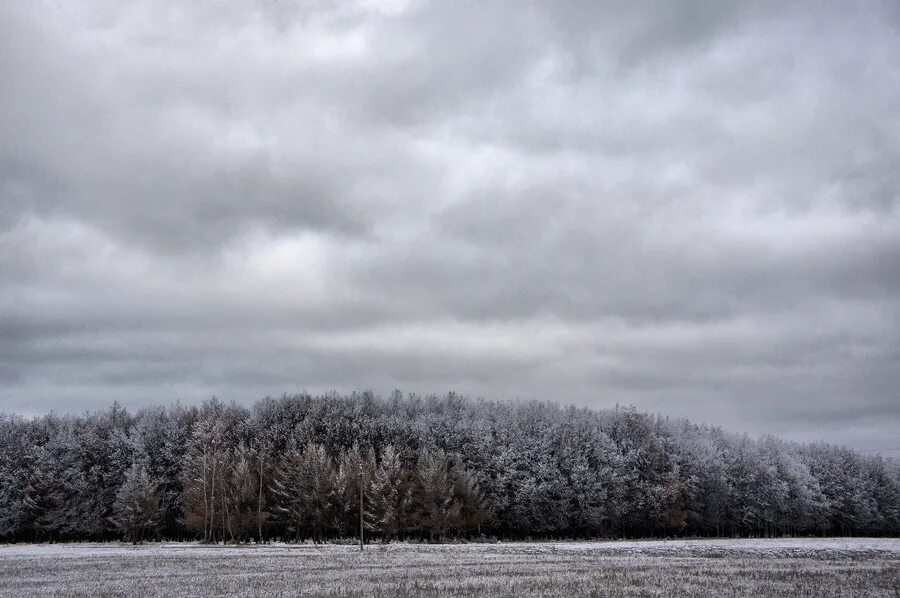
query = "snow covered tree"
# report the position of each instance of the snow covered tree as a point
(242, 492)
(589, 461)
(390, 496)
(445, 465)
(161, 437)
(205, 467)
(136, 509)
(473, 510)
(307, 490)
(435, 494)
(355, 472)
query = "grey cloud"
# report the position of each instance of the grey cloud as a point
(688, 206)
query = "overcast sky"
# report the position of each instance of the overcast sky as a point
(689, 207)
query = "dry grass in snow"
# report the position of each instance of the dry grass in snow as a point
(829, 567)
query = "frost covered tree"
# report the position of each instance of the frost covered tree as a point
(160, 439)
(205, 469)
(290, 467)
(307, 488)
(435, 494)
(390, 500)
(136, 509)
(241, 493)
(354, 476)
(589, 461)
(473, 509)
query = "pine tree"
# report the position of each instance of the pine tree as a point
(355, 472)
(446, 465)
(241, 492)
(474, 510)
(390, 496)
(307, 491)
(136, 510)
(435, 493)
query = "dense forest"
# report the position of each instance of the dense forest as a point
(422, 468)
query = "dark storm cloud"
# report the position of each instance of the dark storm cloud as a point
(689, 206)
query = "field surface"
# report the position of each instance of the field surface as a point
(803, 567)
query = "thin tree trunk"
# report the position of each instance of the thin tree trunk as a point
(212, 501)
(205, 497)
(226, 516)
(361, 512)
(259, 502)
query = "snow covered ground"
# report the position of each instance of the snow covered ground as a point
(759, 546)
(767, 567)
(771, 547)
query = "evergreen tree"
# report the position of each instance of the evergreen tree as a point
(391, 496)
(435, 494)
(428, 466)
(136, 509)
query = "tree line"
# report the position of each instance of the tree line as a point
(317, 468)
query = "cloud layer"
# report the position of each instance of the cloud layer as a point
(690, 207)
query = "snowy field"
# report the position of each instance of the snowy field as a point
(801, 567)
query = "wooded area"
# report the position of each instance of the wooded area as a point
(429, 468)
